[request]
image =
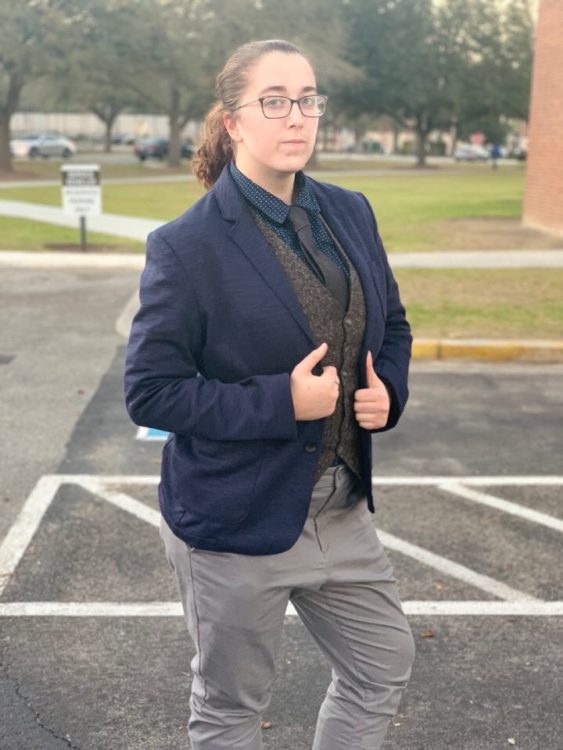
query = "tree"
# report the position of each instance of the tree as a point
(170, 59)
(517, 59)
(494, 82)
(406, 61)
(26, 31)
(96, 44)
(438, 64)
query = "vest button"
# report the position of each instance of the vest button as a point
(310, 447)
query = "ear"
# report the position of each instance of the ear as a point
(231, 126)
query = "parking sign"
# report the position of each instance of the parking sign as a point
(81, 189)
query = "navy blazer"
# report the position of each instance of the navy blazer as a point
(209, 358)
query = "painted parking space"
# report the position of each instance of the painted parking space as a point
(131, 494)
(93, 649)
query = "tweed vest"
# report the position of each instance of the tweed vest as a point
(342, 332)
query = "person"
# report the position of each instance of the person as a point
(271, 343)
(496, 153)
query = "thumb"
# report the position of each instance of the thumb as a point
(371, 377)
(313, 358)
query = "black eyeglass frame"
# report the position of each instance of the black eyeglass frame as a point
(261, 99)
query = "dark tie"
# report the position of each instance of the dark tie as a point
(331, 275)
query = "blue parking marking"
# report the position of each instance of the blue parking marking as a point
(151, 433)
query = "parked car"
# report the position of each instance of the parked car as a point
(33, 145)
(157, 148)
(517, 153)
(125, 139)
(471, 152)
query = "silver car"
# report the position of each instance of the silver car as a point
(33, 145)
(471, 152)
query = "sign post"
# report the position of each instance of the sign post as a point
(81, 193)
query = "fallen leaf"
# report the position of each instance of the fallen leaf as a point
(427, 634)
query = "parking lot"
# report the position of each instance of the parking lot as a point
(94, 651)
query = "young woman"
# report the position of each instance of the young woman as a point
(271, 342)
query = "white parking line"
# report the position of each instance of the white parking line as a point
(480, 481)
(174, 609)
(453, 569)
(506, 506)
(123, 501)
(108, 488)
(26, 524)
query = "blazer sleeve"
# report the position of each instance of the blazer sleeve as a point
(163, 388)
(391, 364)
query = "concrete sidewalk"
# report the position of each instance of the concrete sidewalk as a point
(479, 259)
(130, 227)
(455, 259)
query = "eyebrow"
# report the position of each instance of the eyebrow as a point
(282, 89)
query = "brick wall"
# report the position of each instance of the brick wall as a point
(543, 200)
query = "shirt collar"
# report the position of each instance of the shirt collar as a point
(270, 205)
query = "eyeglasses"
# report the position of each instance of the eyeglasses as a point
(273, 107)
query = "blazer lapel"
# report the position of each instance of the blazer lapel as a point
(345, 230)
(253, 244)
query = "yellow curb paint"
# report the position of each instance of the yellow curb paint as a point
(492, 350)
(425, 349)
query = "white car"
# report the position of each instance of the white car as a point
(32, 145)
(471, 152)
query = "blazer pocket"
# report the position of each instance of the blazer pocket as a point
(219, 480)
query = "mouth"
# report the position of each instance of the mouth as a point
(296, 142)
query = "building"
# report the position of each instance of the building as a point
(543, 199)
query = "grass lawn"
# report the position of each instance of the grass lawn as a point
(467, 303)
(466, 208)
(469, 207)
(50, 169)
(36, 236)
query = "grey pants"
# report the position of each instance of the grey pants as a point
(341, 583)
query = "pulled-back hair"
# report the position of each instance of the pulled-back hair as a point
(216, 147)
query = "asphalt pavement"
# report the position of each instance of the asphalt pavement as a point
(94, 653)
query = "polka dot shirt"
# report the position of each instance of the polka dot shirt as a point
(276, 213)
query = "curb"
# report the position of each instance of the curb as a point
(489, 350)
(46, 259)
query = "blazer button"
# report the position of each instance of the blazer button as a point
(310, 447)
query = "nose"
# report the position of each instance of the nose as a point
(295, 115)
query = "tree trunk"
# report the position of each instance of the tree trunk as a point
(421, 136)
(454, 135)
(15, 86)
(5, 157)
(109, 123)
(174, 126)
(107, 114)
